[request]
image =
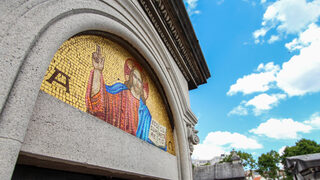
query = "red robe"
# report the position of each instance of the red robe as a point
(120, 110)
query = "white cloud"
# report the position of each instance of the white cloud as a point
(269, 67)
(192, 3)
(217, 143)
(260, 104)
(281, 129)
(314, 120)
(273, 39)
(263, 1)
(312, 34)
(239, 110)
(264, 102)
(191, 7)
(196, 12)
(294, 45)
(289, 16)
(256, 82)
(297, 77)
(259, 33)
(300, 75)
(293, 15)
(207, 151)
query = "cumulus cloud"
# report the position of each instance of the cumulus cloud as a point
(207, 151)
(259, 33)
(297, 77)
(269, 67)
(312, 34)
(217, 143)
(281, 129)
(239, 110)
(260, 103)
(263, 102)
(300, 75)
(256, 82)
(314, 120)
(191, 7)
(292, 15)
(273, 39)
(289, 16)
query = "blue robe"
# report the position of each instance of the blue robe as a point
(143, 112)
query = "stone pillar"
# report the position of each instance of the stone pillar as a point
(8, 156)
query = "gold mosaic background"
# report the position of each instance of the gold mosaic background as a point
(74, 59)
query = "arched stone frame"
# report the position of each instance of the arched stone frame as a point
(37, 30)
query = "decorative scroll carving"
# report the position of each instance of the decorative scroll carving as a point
(192, 137)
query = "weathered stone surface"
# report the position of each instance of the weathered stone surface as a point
(31, 32)
(8, 156)
(61, 131)
(304, 166)
(219, 171)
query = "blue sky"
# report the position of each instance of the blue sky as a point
(264, 59)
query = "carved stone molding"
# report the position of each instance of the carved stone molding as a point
(172, 23)
(192, 137)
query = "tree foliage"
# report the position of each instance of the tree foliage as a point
(302, 147)
(268, 164)
(246, 159)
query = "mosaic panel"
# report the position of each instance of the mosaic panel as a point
(98, 76)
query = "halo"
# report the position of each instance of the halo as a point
(128, 65)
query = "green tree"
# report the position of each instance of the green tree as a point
(303, 146)
(268, 164)
(246, 160)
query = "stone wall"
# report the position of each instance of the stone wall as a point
(219, 171)
(31, 33)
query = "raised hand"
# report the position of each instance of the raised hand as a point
(97, 59)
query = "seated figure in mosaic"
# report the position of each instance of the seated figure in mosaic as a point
(122, 104)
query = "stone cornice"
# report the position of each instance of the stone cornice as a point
(172, 23)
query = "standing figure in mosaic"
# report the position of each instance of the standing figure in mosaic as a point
(122, 104)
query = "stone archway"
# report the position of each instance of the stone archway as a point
(37, 31)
